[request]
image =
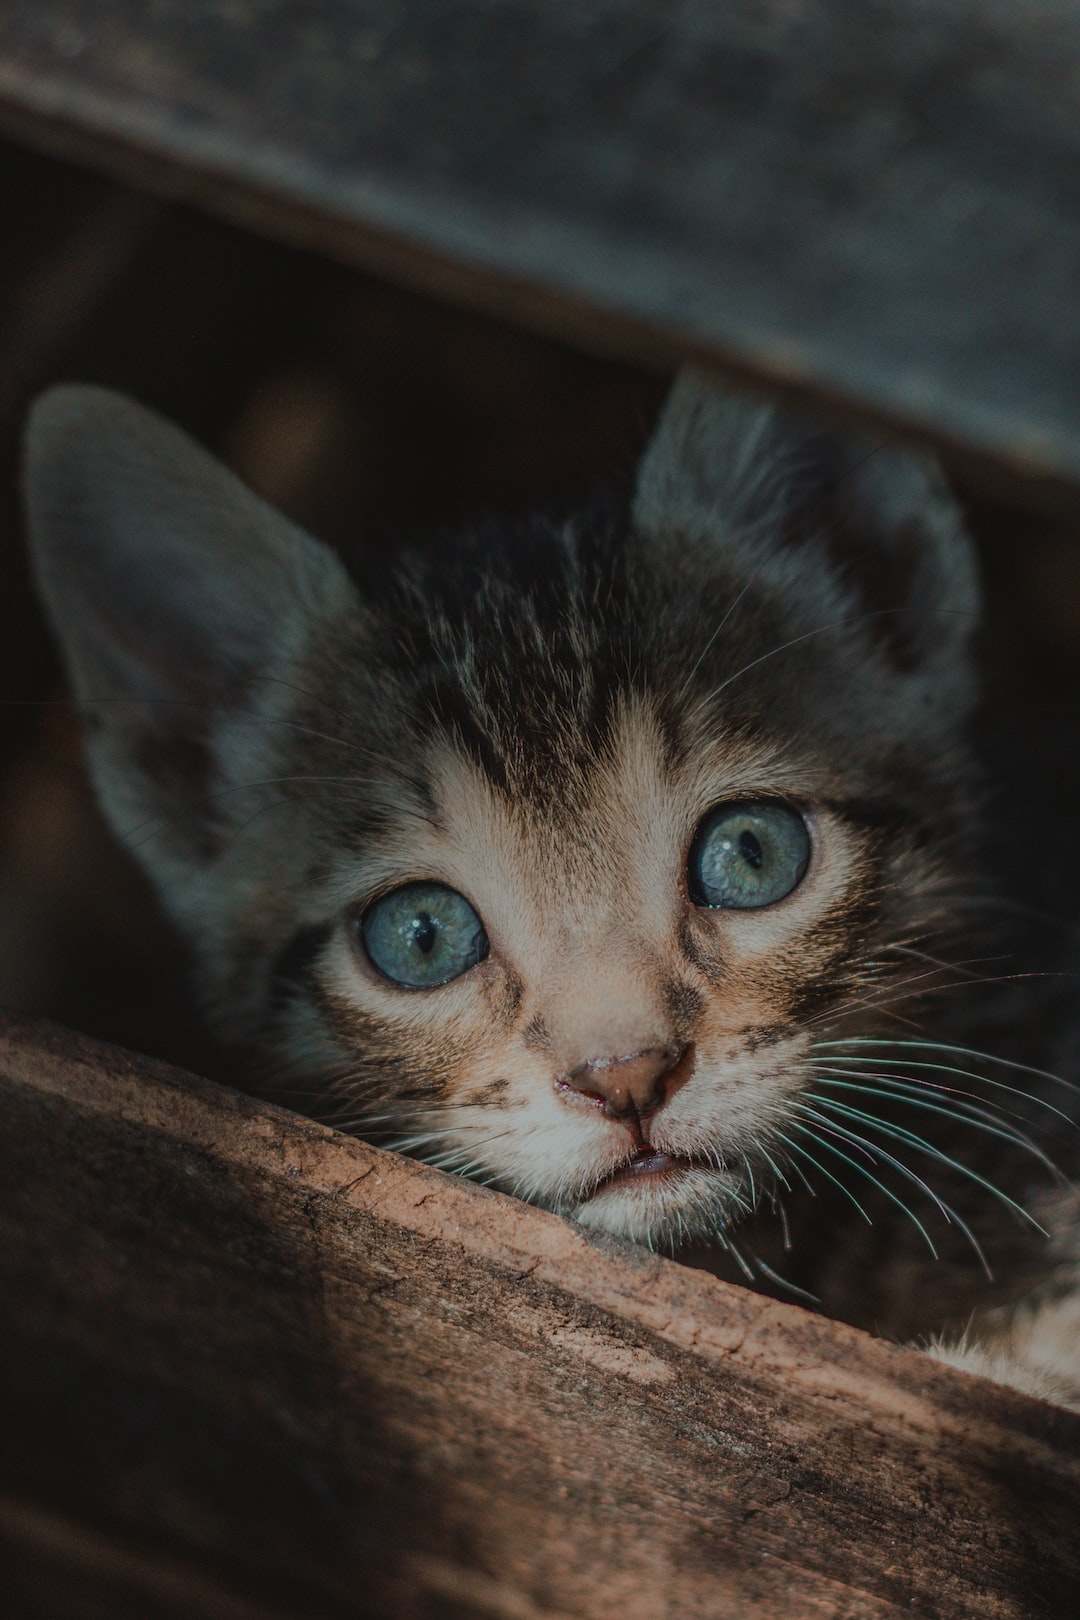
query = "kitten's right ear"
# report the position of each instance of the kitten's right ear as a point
(178, 596)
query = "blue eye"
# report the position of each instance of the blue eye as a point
(423, 935)
(748, 854)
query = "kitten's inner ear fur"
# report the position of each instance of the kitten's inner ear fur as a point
(177, 594)
(736, 473)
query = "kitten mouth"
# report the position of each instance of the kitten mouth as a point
(648, 1165)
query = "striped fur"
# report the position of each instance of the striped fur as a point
(539, 716)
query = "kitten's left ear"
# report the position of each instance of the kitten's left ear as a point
(791, 499)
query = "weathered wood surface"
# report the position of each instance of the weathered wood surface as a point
(872, 201)
(250, 1367)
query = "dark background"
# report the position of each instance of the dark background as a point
(372, 416)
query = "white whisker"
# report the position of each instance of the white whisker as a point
(830, 1128)
(899, 1133)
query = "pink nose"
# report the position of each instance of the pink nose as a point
(636, 1085)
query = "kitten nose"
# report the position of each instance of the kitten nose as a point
(636, 1085)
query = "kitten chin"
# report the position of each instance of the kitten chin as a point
(670, 1207)
(616, 861)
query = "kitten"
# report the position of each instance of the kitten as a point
(614, 862)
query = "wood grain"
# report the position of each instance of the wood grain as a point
(872, 202)
(248, 1361)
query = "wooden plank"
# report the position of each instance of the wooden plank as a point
(873, 202)
(325, 1378)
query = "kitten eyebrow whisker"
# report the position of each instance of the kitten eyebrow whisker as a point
(890, 992)
(820, 630)
(882, 997)
(964, 967)
(702, 655)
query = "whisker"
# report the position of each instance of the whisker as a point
(830, 1147)
(963, 1112)
(301, 691)
(782, 1282)
(254, 717)
(807, 635)
(795, 1147)
(723, 624)
(750, 1177)
(909, 1138)
(900, 1133)
(958, 1051)
(778, 1173)
(882, 997)
(831, 1126)
(744, 1265)
(963, 968)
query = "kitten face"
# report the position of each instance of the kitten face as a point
(541, 721)
(597, 952)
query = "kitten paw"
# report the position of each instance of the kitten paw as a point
(1035, 1350)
